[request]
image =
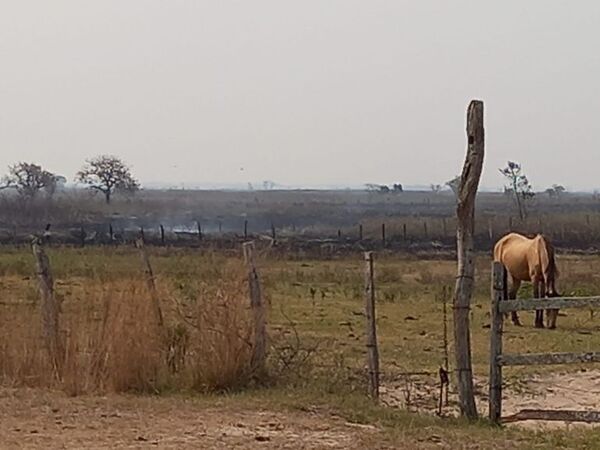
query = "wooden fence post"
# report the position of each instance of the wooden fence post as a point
(259, 351)
(465, 211)
(273, 232)
(139, 243)
(50, 309)
(111, 234)
(142, 234)
(199, 230)
(404, 234)
(245, 229)
(497, 318)
(360, 232)
(82, 236)
(383, 234)
(372, 351)
(162, 235)
(425, 231)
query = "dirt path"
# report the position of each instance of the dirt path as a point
(556, 391)
(40, 419)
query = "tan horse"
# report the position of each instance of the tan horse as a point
(532, 260)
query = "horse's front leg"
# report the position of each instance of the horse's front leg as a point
(539, 313)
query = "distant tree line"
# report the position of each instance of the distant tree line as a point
(105, 173)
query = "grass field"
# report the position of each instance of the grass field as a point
(317, 332)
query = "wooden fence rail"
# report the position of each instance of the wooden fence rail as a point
(498, 360)
(532, 304)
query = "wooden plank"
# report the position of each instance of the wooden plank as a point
(562, 415)
(528, 359)
(498, 295)
(531, 304)
(372, 350)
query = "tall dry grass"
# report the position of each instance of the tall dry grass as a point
(114, 343)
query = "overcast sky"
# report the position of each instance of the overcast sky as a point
(311, 92)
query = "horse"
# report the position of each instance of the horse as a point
(529, 259)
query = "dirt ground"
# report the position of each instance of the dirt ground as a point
(554, 391)
(42, 419)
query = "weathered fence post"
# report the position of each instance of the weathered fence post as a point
(465, 212)
(425, 231)
(162, 235)
(404, 234)
(360, 232)
(142, 234)
(199, 226)
(498, 294)
(50, 309)
(273, 232)
(111, 234)
(339, 234)
(259, 351)
(139, 243)
(245, 229)
(383, 234)
(372, 351)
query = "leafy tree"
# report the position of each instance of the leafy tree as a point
(556, 190)
(398, 188)
(107, 174)
(29, 179)
(519, 186)
(454, 184)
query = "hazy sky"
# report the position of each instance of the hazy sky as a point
(311, 92)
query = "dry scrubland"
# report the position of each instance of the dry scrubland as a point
(116, 369)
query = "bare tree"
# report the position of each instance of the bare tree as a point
(107, 174)
(29, 179)
(519, 186)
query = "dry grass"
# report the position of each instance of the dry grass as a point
(114, 343)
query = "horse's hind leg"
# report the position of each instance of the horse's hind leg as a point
(538, 289)
(512, 295)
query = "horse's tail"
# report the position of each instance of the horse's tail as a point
(548, 261)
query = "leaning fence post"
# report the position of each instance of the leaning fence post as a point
(465, 213)
(50, 309)
(259, 351)
(498, 294)
(372, 351)
(139, 243)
